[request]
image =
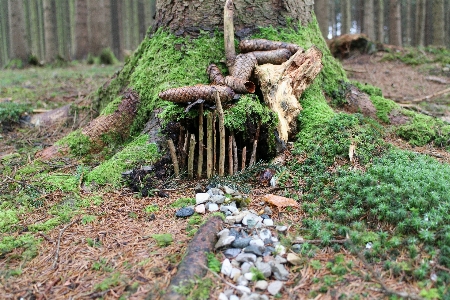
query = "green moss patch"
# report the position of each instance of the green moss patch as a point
(139, 151)
(27, 242)
(78, 143)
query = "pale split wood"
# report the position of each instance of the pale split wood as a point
(255, 145)
(209, 145)
(173, 155)
(235, 154)
(221, 136)
(191, 157)
(200, 141)
(230, 155)
(244, 157)
(228, 30)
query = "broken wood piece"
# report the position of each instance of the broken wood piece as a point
(235, 154)
(173, 155)
(280, 201)
(221, 136)
(276, 57)
(244, 158)
(265, 45)
(230, 155)
(196, 256)
(191, 157)
(243, 66)
(209, 145)
(228, 30)
(282, 86)
(192, 93)
(184, 150)
(255, 145)
(200, 142)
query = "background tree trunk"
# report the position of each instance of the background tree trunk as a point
(81, 29)
(368, 22)
(189, 17)
(438, 23)
(4, 33)
(321, 11)
(407, 23)
(395, 28)
(50, 30)
(17, 30)
(420, 23)
(346, 16)
(380, 21)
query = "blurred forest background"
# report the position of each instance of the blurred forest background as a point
(42, 31)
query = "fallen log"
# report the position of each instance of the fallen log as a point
(191, 266)
(187, 94)
(265, 45)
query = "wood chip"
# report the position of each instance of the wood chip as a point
(280, 201)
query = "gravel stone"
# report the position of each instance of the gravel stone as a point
(275, 287)
(281, 228)
(254, 249)
(201, 198)
(228, 190)
(200, 209)
(233, 297)
(267, 211)
(258, 243)
(184, 212)
(241, 242)
(224, 241)
(222, 296)
(243, 289)
(219, 199)
(256, 219)
(293, 259)
(249, 276)
(280, 249)
(245, 268)
(242, 281)
(268, 251)
(268, 222)
(235, 274)
(279, 271)
(215, 191)
(265, 216)
(280, 259)
(261, 285)
(264, 268)
(246, 257)
(226, 267)
(212, 207)
(265, 234)
(232, 252)
(296, 248)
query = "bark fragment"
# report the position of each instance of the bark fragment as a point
(192, 93)
(265, 45)
(192, 264)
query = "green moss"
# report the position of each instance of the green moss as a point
(78, 143)
(111, 107)
(11, 111)
(59, 182)
(27, 241)
(420, 130)
(183, 202)
(384, 107)
(109, 282)
(163, 239)
(137, 151)
(46, 226)
(151, 208)
(8, 218)
(213, 263)
(368, 89)
(198, 289)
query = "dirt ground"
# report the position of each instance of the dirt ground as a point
(124, 257)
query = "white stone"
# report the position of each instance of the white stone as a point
(268, 222)
(242, 281)
(223, 232)
(201, 198)
(257, 243)
(281, 228)
(243, 289)
(234, 297)
(265, 234)
(246, 267)
(248, 276)
(274, 287)
(222, 296)
(236, 218)
(235, 274)
(212, 207)
(293, 259)
(228, 190)
(224, 241)
(200, 209)
(261, 285)
(252, 218)
(280, 249)
(226, 267)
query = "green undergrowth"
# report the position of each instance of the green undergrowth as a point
(10, 112)
(139, 151)
(195, 289)
(27, 242)
(419, 56)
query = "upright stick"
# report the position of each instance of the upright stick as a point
(235, 155)
(191, 157)
(230, 155)
(209, 145)
(173, 155)
(255, 145)
(244, 157)
(200, 142)
(221, 135)
(228, 30)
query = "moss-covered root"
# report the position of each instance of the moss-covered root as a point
(193, 264)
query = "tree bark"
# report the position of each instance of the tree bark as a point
(420, 23)
(438, 23)
(368, 21)
(321, 10)
(380, 21)
(395, 27)
(17, 30)
(190, 17)
(81, 29)
(346, 21)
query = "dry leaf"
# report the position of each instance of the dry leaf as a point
(280, 201)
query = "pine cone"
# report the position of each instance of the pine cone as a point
(275, 57)
(215, 75)
(193, 93)
(243, 66)
(265, 45)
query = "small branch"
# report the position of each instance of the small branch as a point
(55, 261)
(221, 135)
(235, 154)
(228, 30)
(200, 142)
(428, 97)
(173, 155)
(191, 157)
(214, 144)
(209, 145)
(255, 145)
(230, 155)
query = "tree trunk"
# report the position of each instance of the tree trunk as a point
(51, 49)
(81, 29)
(438, 23)
(189, 17)
(395, 28)
(99, 24)
(4, 34)
(380, 21)
(420, 23)
(407, 23)
(17, 31)
(321, 11)
(346, 16)
(368, 21)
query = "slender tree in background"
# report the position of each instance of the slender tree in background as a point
(116, 28)
(368, 21)
(346, 16)
(395, 25)
(420, 23)
(17, 30)
(50, 30)
(99, 25)
(332, 18)
(321, 10)
(438, 23)
(380, 20)
(4, 33)
(407, 41)
(81, 29)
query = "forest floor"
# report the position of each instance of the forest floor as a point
(105, 249)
